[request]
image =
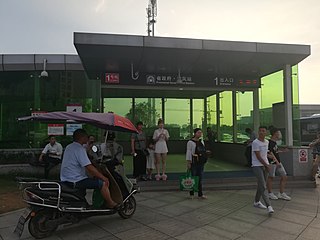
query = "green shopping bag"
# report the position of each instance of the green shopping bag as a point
(189, 182)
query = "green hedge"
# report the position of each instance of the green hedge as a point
(14, 156)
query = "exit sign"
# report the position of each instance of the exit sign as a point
(112, 78)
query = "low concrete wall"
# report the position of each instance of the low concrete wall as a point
(17, 169)
(230, 152)
(297, 161)
(11, 156)
(294, 164)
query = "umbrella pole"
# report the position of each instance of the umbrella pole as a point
(105, 139)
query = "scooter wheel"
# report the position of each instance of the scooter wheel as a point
(38, 224)
(128, 208)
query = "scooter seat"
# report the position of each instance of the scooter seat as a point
(65, 187)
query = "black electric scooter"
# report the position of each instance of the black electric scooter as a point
(53, 203)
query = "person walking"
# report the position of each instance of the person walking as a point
(138, 148)
(276, 167)
(315, 145)
(51, 155)
(252, 136)
(260, 168)
(160, 137)
(196, 157)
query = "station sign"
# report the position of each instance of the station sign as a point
(186, 80)
(112, 78)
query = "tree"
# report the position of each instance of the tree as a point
(145, 113)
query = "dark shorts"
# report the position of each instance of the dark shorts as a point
(90, 183)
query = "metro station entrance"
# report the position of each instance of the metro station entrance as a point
(226, 86)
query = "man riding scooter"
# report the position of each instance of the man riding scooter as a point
(74, 165)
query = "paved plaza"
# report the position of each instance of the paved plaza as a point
(171, 215)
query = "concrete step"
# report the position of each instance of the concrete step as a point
(224, 184)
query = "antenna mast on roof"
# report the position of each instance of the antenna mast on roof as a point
(151, 15)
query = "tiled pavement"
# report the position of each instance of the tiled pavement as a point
(171, 215)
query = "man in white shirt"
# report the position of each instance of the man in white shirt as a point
(261, 168)
(51, 155)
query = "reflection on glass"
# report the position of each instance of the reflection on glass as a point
(198, 114)
(177, 118)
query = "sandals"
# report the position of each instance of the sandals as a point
(157, 177)
(163, 177)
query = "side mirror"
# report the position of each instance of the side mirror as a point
(94, 148)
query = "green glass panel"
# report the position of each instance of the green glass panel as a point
(24, 92)
(198, 114)
(177, 118)
(244, 114)
(271, 92)
(212, 112)
(226, 122)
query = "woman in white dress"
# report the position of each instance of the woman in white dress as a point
(160, 137)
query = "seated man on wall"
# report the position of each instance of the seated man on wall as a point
(51, 155)
(74, 165)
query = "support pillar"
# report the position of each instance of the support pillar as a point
(288, 102)
(234, 116)
(37, 94)
(191, 117)
(256, 112)
(163, 108)
(97, 105)
(218, 117)
(205, 115)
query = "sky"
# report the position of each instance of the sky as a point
(44, 26)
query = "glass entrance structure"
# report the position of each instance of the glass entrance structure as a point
(227, 86)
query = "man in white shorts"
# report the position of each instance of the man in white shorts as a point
(276, 167)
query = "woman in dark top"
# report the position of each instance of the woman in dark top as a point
(138, 145)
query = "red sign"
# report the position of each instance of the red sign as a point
(112, 78)
(303, 155)
(37, 113)
(55, 129)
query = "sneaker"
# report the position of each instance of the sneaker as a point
(284, 196)
(164, 177)
(259, 205)
(143, 178)
(273, 196)
(270, 209)
(203, 197)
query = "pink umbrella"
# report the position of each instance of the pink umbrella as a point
(108, 121)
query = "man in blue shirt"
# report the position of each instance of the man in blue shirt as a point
(75, 163)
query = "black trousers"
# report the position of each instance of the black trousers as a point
(139, 164)
(49, 163)
(197, 170)
(248, 155)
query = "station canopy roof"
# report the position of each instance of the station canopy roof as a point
(166, 57)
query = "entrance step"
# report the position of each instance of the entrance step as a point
(236, 183)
